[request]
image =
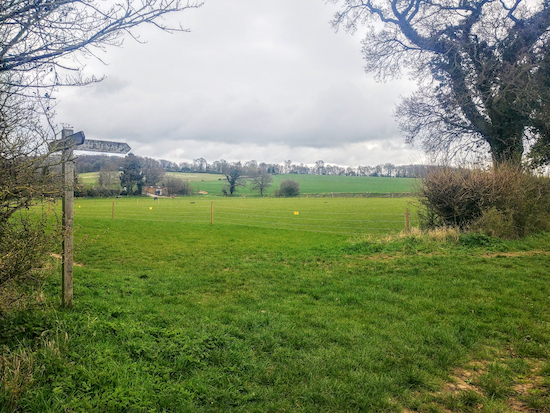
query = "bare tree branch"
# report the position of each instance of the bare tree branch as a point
(481, 60)
(42, 34)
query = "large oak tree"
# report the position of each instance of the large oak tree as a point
(482, 67)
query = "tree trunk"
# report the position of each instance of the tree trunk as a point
(506, 137)
(507, 150)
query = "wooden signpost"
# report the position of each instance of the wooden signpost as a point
(69, 142)
(104, 146)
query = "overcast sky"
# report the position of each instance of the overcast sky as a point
(263, 80)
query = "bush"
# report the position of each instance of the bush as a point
(177, 186)
(26, 241)
(505, 201)
(288, 188)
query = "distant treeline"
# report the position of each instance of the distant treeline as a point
(96, 163)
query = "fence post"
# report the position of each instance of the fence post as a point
(212, 213)
(407, 221)
(113, 213)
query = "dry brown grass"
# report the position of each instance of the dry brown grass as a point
(440, 234)
(16, 374)
(466, 384)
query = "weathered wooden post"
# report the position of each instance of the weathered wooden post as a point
(68, 143)
(67, 214)
(407, 221)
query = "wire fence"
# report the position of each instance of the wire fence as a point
(310, 220)
(315, 221)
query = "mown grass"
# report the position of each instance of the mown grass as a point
(192, 317)
(338, 215)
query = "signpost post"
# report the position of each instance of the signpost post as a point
(69, 142)
(67, 225)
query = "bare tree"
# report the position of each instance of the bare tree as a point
(27, 177)
(389, 169)
(234, 174)
(40, 39)
(251, 165)
(152, 170)
(177, 186)
(320, 167)
(107, 179)
(200, 165)
(482, 68)
(261, 181)
(26, 171)
(287, 166)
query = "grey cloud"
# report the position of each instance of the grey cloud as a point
(249, 75)
(110, 85)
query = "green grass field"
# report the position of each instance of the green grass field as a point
(309, 184)
(196, 177)
(88, 178)
(174, 314)
(347, 216)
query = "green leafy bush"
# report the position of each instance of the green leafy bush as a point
(504, 202)
(288, 188)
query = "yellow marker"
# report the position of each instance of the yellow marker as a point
(150, 207)
(79, 206)
(296, 212)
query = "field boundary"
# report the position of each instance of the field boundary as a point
(290, 217)
(349, 223)
(359, 195)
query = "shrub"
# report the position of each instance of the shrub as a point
(177, 186)
(26, 241)
(288, 188)
(505, 201)
(496, 223)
